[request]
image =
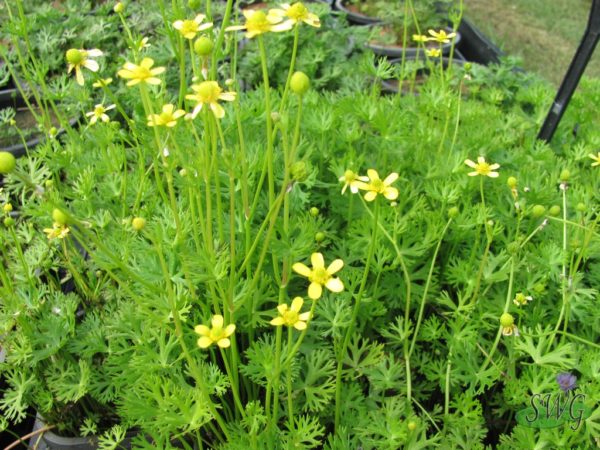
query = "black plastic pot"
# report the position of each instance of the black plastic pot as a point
(397, 52)
(477, 47)
(356, 18)
(391, 86)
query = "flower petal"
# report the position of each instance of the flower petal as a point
(217, 321)
(217, 110)
(229, 329)
(202, 330)
(373, 175)
(370, 196)
(91, 65)
(470, 163)
(224, 343)
(301, 269)
(204, 342)
(390, 193)
(317, 261)
(390, 178)
(299, 325)
(335, 285)
(297, 304)
(315, 291)
(282, 308)
(277, 321)
(335, 266)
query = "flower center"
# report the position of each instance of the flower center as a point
(75, 56)
(209, 91)
(189, 26)
(258, 22)
(377, 185)
(142, 73)
(297, 11)
(99, 110)
(320, 276)
(483, 168)
(349, 176)
(216, 334)
(290, 317)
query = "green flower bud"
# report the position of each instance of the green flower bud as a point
(138, 223)
(9, 222)
(453, 212)
(412, 425)
(539, 288)
(507, 320)
(565, 175)
(554, 211)
(74, 56)
(7, 162)
(300, 83)
(513, 248)
(511, 182)
(314, 211)
(320, 236)
(538, 211)
(49, 183)
(275, 116)
(59, 217)
(204, 46)
(119, 8)
(52, 132)
(299, 171)
(581, 207)
(194, 4)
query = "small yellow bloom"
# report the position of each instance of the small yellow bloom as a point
(320, 276)
(216, 334)
(596, 159)
(291, 317)
(190, 28)
(257, 22)
(58, 231)
(433, 52)
(99, 112)
(352, 180)
(142, 44)
(377, 186)
(168, 117)
(522, 299)
(482, 168)
(209, 93)
(441, 36)
(142, 73)
(78, 58)
(296, 13)
(507, 323)
(103, 82)
(420, 38)
(8, 207)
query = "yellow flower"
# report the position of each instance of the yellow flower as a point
(420, 38)
(522, 299)
(320, 276)
(257, 22)
(291, 316)
(58, 231)
(102, 82)
(441, 36)
(377, 186)
(209, 93)
(8, 207)
(142, 73)
(99, 112)
(482, 168)
(190, 28)
(433, 52)
(507, 323)
(215, 335)
(142, 44)
(78, 58)
(168, 117)
(296, 13)
(596, 159)
(352, 180)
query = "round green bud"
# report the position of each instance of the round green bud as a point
(194, 4)
(275, 117)
(9, 222)
(49, 183)
(299, 171)
(299, 83)
(513, 248)
(468, 66)
(581, 207)
(204, 46)
(575, 243)
(119, 8)
(507, 320)
(565, 175)
(538, 211)
(320, 236)
(412, 425)
(539, 288)
(511, 182)
(59, 217)
(554, 211)
(52, 132)
(314, 211)
(453, 212)
(138, 223)
(74, 56)
(7, 162)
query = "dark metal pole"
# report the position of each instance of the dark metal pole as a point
(576, 69)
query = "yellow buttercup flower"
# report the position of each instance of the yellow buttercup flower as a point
(209, 93)
(291, 316)
(596, 159)
(433, 52)
(320, 276)
(296, 13)
(144, 73)
(441, 36)
(420, 38)
(482, 168)
(78, 58)
(216, 334)
(190, 28)
(257, 22)
(522, 299)
(168, 117)
(507, 323)
(352, 180)
(377, 186)
(58, 231)
(99, 113)
(102, 82)
(143, 43)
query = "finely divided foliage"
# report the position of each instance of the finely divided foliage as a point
(228, 253)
